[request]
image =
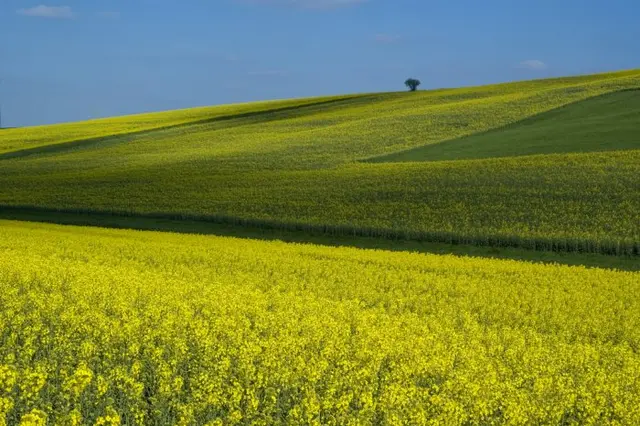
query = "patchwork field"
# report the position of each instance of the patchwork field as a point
(456, 256)
(300, 165)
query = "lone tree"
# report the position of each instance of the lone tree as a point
(412, 84)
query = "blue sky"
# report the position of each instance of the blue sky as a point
(71, 60)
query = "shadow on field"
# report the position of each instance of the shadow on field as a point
(626, 263)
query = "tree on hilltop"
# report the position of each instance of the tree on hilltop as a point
(412, 84)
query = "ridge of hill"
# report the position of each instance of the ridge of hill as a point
(453, 112)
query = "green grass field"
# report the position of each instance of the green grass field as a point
(314, 165)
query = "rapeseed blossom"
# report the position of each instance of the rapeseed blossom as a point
(110, 327)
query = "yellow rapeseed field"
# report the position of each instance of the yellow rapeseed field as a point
(112, 327)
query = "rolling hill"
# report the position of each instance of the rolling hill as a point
(605, 123)
(548, 165)
(382, 320)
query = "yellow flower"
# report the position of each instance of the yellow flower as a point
(110, 418)
(34, 418)
(80, 379)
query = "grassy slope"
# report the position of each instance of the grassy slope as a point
(605, 123)
(164, 326)
(25, 138)
(299, 168)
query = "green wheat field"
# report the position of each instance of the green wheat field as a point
(459, 256)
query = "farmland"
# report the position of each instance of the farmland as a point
(604, 123)
(323, 165)
(168, 329)
(454, 256)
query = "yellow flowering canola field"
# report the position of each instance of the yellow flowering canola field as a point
(127, 327)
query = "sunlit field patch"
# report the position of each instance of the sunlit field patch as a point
(156, 328)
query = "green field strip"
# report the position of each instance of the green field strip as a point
(318, 237)
(604, 122)
(602, 246)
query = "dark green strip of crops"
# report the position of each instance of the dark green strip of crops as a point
(202, 224)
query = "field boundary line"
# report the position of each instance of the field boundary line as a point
(609, 247)
(529, 119)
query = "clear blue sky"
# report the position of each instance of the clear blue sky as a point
(76, 59)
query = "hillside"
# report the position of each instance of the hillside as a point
(604, 123)
(19, 139)
(312, 165)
